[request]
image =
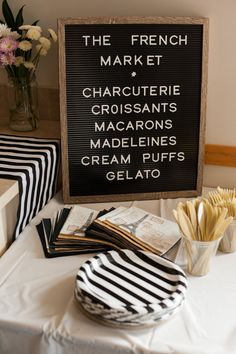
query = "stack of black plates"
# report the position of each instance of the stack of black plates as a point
(130, 288)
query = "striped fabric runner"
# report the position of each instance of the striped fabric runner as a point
(34, 164)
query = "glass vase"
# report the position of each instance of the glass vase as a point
(23, 103)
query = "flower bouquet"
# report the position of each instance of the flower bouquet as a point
(21, 46)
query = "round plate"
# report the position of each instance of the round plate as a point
(125, 319)
(130, 282)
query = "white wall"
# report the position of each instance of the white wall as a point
(221, 107)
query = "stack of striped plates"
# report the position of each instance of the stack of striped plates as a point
(130, 288)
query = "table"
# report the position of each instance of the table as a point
(9, 193)
(39, 315)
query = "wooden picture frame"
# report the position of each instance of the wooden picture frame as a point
(132, 107)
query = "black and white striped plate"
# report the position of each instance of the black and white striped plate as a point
(130, 286)
(119, 318)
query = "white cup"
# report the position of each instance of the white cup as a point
(199, 254)
(228, 242)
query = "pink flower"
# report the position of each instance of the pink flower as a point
(8, 44)
(7, 59)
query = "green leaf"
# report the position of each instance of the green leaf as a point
(35, 23)
(8, 16)
(19, 17)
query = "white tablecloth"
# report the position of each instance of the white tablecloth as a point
(39, 315)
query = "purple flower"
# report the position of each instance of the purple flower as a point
(8, 44)
(7, 59)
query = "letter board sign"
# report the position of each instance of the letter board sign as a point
(132, 101)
